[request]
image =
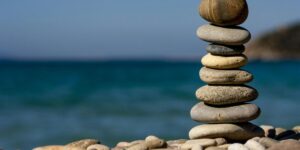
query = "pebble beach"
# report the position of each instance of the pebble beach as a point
(273, 139)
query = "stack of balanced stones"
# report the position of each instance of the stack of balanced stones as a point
(224, 104)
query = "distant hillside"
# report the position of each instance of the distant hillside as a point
(281, 44)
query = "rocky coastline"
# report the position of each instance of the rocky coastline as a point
(282, 43)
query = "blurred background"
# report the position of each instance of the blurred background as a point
(120, 70)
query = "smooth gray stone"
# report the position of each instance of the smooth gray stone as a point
(225, 50)
(233, 35)
(224, 77)
(223, 95)
(224, 114)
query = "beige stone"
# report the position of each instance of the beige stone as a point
(254, 145)
(224, 35)
(225, 146)
(267, 142)
(224, 77)
(223, 95)
(138, 146)
(221, 141)
(98, 147)
(197, 147)
(154, 142)
(202, 142)
(50, 147)
(286, 145)
(235, 132)
(215, 148)
(224, 62)
(237, 146)
(224, 114)
(123, 144)
(297, 129)
(83, 143)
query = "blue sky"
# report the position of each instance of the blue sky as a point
(104, 29)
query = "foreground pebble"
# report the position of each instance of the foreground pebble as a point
(154, 142)
(221, 95)
(254, 145)
(267, 142)
(224, 114)
(52, 147)
(224, 62)
(202, 142)
(286, 145)
(98, 147)
(223, 35)
(83, 143)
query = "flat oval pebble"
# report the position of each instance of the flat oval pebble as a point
(224, 35)
(235, 132)
(225, 114)
(224, 77)
(223, 95)
(225, 50)
(224, 62)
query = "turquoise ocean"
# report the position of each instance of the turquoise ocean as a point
(43, 103)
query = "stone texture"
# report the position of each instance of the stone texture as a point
(235, 132)
(138, 146)
(297, 129)
(98, 147)
(224, 114)
(154, 142)
(267, 142)
(197, 147)
(224, 12)
(237, 146)
(286, 145)
(221, 95)
(225, 50)
(52, 147)
(254, 145)
(233, 35)
(221, 141)
(224, 77)
(202, 142)
(83, 143)
(215, 148)
(224, 62)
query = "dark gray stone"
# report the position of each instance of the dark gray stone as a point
(223, 50)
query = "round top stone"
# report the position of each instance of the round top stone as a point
(224, 12)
